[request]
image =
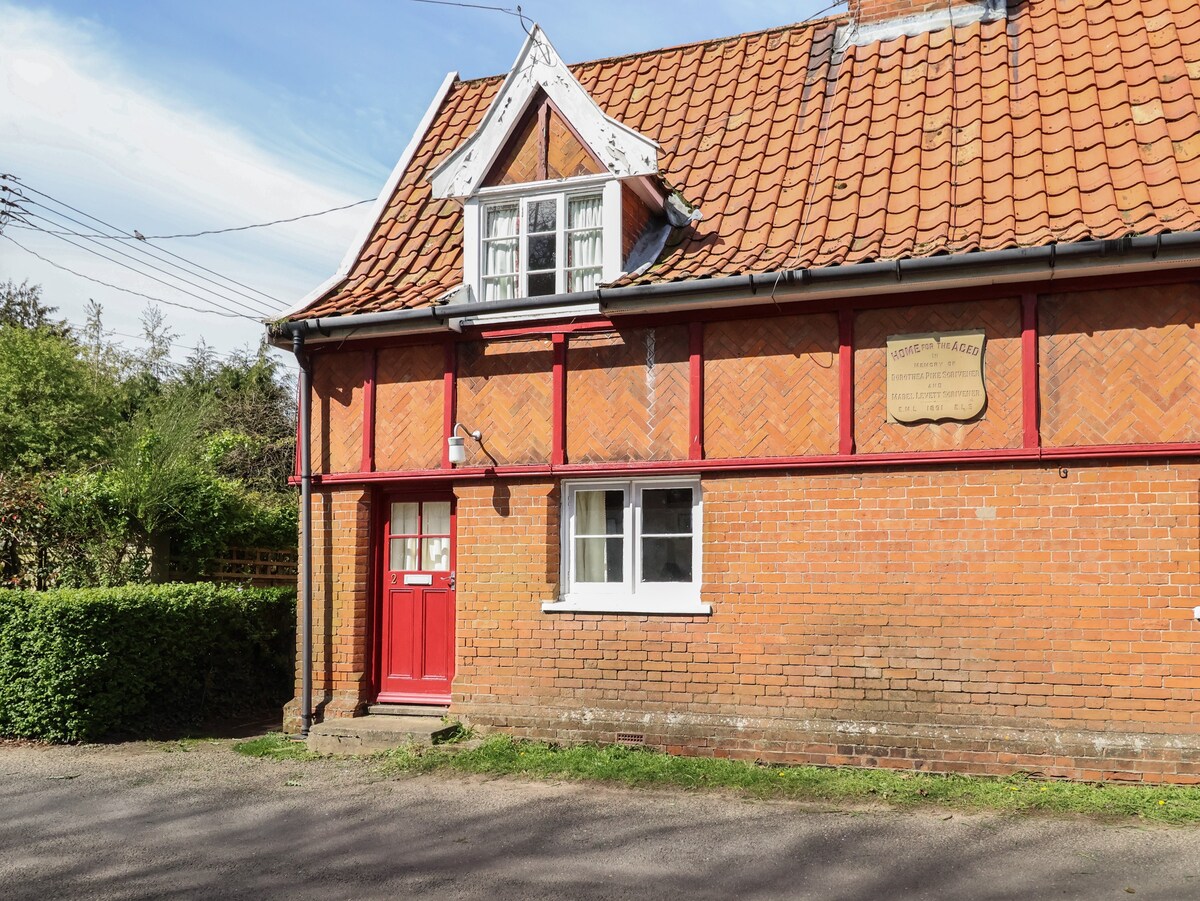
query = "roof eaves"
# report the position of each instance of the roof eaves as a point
(1056, 262)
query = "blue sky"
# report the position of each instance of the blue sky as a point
(177, 117)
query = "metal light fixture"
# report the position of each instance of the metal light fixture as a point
(457, 453)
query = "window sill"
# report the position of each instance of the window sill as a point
(632, 608)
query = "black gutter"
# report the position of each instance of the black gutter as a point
(306, 594)
(894, 271)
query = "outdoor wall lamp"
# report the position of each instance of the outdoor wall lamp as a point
(457, 453)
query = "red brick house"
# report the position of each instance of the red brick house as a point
(827, 393)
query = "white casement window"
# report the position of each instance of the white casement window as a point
(631, 546)
(542, 244)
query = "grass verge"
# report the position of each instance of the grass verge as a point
(275, 746)
(503, 756)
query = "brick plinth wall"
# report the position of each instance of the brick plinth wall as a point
(982, 619)
(341, 607)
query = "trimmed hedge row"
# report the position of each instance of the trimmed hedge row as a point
(79, 664)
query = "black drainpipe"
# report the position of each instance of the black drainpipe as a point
(305, 439)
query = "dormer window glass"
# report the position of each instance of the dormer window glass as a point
(543, 244)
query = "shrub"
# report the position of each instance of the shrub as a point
(79, 664)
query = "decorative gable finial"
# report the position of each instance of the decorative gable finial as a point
(538, 67)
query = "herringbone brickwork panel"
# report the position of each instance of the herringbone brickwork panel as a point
(518, 162)
(627, 396)
(565, 156)
(1000, 424)
(771, 387)
(505, 389)
(1120, 367)
(337, 433)
(409, 406)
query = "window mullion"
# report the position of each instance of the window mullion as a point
(633, 560)
(560, 221)
(522, 247)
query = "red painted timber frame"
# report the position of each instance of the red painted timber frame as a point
(559, 465)
(696, 395)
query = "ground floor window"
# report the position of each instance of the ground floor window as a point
(632, 545)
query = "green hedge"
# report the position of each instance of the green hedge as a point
(79, 664)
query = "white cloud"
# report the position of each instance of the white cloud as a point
(79, 124)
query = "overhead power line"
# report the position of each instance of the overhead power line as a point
(227, 311)
(258, 308)
(162, 300)
(138, 236)
(21, 187)
(499, 9)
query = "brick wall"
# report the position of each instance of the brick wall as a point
(983, 619)
(1120, 369)
(627, 396)
(505, 391)
(771, 386)
(341, 606)
(1000, 424)
(409, 399)
(337, 411)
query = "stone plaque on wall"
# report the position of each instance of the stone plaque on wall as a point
(935, 377)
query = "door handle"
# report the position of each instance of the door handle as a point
(452, 578)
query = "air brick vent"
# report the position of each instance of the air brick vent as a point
(631, 738)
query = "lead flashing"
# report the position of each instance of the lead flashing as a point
(854, 35)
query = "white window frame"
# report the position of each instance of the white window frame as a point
(475, 217)
(632, 595)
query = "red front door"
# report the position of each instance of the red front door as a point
(417, 646)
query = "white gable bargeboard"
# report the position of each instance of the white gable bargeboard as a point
(622, 150)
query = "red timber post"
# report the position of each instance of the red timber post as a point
(558, 450)
(846, 381)
(1030, 386)
(696, 385)
(449, 397)
(368, 425)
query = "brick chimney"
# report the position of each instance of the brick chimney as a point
(868, 12)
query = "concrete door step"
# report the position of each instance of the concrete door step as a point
(367, 734)
(407, 710)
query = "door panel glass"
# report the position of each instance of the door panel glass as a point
(437, 518)
(435, 554)
(404, 518)
(402, 554)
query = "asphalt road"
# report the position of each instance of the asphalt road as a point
(143, 821)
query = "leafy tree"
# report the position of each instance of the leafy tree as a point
(21, 306)
(110, 460)
(53, 410)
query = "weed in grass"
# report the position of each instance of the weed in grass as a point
(500, 755)
(183, 745)
(275, 746)
(461, 733)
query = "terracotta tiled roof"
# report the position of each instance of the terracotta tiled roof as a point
(1069, 121)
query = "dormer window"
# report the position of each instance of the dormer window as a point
(542, 182)
(542, 244)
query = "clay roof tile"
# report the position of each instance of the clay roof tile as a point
(1066, 122)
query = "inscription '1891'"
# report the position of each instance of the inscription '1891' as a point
(935, 377)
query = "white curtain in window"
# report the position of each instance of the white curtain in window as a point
(590, 553)
(585, 251)
(500, 253)
(501, 222)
